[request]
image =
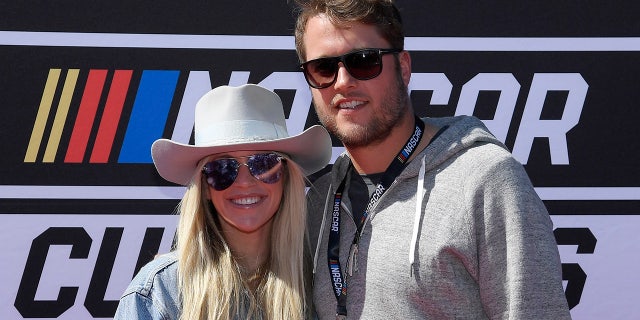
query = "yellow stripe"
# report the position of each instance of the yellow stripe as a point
(61, 115)
(43, 114)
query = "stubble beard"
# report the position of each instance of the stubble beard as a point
(393, 108)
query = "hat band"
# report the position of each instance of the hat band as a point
(239, 131)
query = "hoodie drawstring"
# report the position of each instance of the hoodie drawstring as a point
(416, 217)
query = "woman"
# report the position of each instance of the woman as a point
(240, 236)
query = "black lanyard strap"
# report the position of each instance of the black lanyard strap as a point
(333, 255)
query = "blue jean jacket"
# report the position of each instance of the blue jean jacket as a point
(153, 292)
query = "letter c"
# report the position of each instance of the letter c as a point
(25, 302)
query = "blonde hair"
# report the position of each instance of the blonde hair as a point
(209, 278)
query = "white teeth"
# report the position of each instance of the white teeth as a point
(350, 104)
(246, 201)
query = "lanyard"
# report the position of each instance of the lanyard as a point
(333, 254)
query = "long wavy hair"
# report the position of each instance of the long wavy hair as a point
(209, 278)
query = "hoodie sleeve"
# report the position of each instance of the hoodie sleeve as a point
(519, 270)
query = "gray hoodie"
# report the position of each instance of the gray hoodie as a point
(460, 234)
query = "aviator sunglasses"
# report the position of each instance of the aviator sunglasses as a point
(362, 64)
(221, 173)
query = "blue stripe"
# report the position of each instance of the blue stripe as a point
(149, 115)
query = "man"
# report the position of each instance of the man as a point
(420, 218)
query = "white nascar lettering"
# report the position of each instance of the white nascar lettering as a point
(413, 141)
(335, 222)
(530, 126)
(436, 82)
(556, 130)
(337, 280)
(375, 196)
(508, 87)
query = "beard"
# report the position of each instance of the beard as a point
(392, 109)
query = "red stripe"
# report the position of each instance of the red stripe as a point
(111, 116)
(86, 116)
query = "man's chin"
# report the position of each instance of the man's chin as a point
(357, 137)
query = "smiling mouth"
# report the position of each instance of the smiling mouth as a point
(350, 104)
(246, 200)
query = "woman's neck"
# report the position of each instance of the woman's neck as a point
(250, 250)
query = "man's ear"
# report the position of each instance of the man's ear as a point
(405, 66)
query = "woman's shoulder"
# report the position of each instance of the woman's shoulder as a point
(153, 293)
(160, 274)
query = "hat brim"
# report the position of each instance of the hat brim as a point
(177, 162)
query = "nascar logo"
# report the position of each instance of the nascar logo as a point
(146, 123)
(155, 93)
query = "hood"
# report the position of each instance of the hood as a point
(462, 132)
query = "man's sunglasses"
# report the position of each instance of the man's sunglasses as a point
(362, 64)
(221, 173)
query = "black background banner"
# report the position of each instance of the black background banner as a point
(116, 214)
(421, 18)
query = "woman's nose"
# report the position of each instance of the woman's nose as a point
(244, 176)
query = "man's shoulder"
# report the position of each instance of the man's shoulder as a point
(323, 182)
(319, 187)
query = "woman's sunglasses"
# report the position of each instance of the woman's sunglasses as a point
(221, 173)
(362, 64)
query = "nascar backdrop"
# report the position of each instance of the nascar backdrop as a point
(85, 88)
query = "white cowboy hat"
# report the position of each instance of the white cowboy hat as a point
(247, 117)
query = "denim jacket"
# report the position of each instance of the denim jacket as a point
(153, 292)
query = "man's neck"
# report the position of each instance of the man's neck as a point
(375, 158)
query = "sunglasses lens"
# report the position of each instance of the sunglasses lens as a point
(221, 173)
(266, 167)
(364, 65)
(321, 73)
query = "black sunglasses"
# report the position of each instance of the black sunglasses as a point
(221, 173)
(362, 64)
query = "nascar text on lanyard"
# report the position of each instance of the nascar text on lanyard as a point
(333, 255)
